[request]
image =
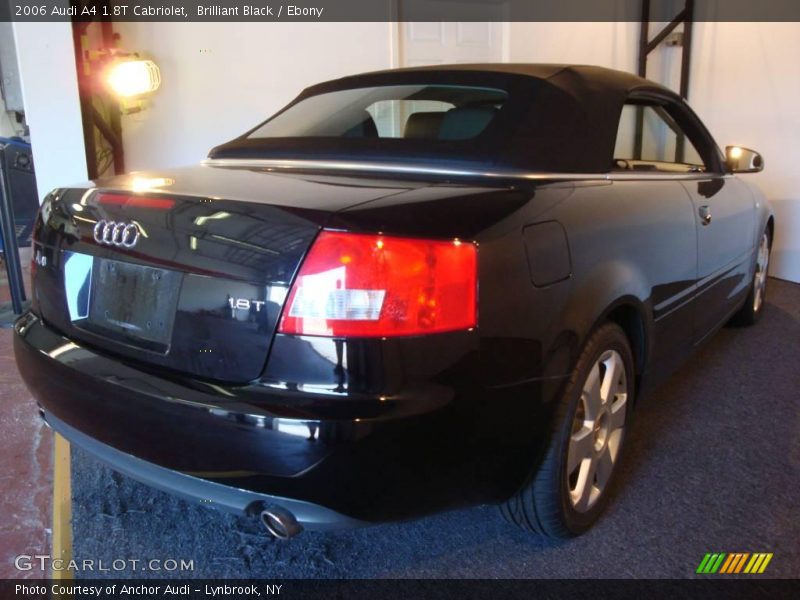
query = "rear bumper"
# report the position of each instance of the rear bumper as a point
(201, 491)
(234, 446)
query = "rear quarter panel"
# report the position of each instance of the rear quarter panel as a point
(631, 242)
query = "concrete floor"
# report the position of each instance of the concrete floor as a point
(25, 462)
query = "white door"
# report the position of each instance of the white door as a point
(430, 43)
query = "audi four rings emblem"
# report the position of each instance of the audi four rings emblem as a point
(111, 233)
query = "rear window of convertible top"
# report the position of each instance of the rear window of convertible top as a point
(421, 112)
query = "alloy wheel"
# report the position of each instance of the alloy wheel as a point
(597, 431)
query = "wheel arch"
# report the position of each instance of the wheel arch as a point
(771, 228)
(619, 293)
(630, 314)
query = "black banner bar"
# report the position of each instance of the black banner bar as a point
(401, 589)
(388, 10)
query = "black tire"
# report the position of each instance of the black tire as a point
(751, 310)
(544, 506)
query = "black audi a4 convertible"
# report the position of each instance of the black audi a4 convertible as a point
(407, 291)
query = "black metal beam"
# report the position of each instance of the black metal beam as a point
(105, 129)
(110, 128)
(646, 46)
(114, 117)
(686, 58)
(644, 33)
(686, 62)
(668, 28)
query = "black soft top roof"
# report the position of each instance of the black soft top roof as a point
(609, 80)
(561, 118)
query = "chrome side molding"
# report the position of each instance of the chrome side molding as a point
(377, 167)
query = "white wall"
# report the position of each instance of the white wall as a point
(745, 85)
(218, 80)
(221, 79)
(52, 108)
(605, 44)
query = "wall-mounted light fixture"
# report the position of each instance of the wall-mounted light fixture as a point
(112, 83)
(127, 78)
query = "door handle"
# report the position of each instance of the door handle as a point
(705, 214)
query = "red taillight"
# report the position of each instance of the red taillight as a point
(129, 200)
(355, 285)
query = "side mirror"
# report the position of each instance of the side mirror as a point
(743, 160)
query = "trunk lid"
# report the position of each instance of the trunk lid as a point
(187, 269)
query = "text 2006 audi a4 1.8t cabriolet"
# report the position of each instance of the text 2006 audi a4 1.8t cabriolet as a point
(407, 291)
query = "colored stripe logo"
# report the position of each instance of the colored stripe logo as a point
(734, 562)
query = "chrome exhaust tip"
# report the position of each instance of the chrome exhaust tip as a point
(279, 522)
